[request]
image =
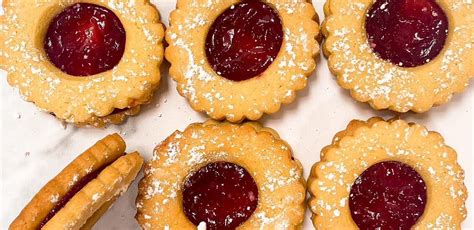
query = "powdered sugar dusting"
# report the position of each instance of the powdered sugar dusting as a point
(95, 197)
(389, 86)
(135, 76)
(54, 198)
(349, 156)
(74, 180)
(215, 95)
(201, 144)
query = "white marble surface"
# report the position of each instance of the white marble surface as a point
(35, 146)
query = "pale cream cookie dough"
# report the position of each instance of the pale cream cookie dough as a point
(84, 190)
(365, 144)
(221, 98)
(385, 85)
(85, 100)
(256, 149)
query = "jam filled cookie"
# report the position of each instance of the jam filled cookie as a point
(85, 63)
(387, 175)
(239, 59)
(83, 191)
(222, 176)
(400, 55)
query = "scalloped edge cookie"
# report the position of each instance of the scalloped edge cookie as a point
(385, 85)
(221, 98)
(364, 144)
(91, 201)
(113, 118)
(281, 200)
(81, 100)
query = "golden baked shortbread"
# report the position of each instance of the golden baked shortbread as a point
(222, 176)
(387, 175)
(83, 191)
(88, 62)
(239, 59)
(400, 55)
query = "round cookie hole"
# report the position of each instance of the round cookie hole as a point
(407, 33)
(221, 194)
(244, 40)
(85, 39)
(388, 195)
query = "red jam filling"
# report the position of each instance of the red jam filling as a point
(387, 195)
(244, 40)
(221, 194)
(407, 33)
(85, 39)
(69, 194)
(117, 111)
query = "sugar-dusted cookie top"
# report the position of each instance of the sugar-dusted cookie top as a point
(239, 59)
(82, 61)
(400, 55)
(222, 176)
(388, 175)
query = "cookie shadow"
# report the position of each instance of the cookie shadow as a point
(300, 94)
(160, 91)
(436, 111)
(442, 110)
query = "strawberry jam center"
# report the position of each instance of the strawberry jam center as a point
(387, 195)
(221, 194)
(407, 33)
(244, 40)
(85, 39)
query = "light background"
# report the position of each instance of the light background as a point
(35, 146)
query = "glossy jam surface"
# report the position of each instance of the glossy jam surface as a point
(85, 39)
(407, 33)
(72, 191)
(387, 195)
(221, 194)
(244, 40)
